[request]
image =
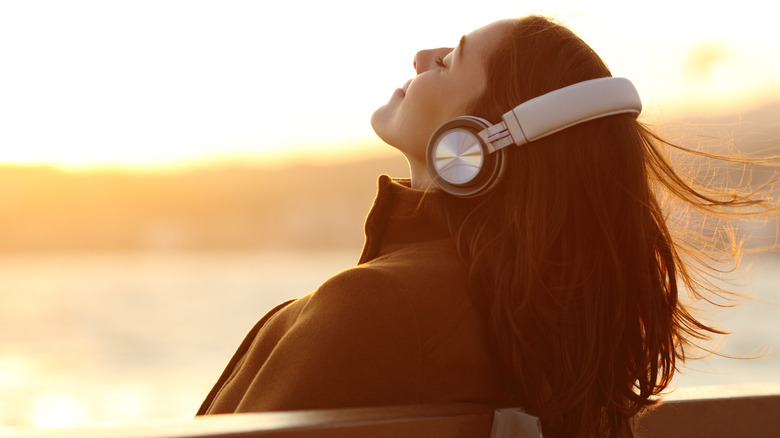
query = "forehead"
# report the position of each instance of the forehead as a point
(482, 41)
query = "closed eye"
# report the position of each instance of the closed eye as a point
(440, 62)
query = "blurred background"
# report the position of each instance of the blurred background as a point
(170, 170)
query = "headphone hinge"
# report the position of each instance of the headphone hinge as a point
(496, 137)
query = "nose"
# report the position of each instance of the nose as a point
(424, 59)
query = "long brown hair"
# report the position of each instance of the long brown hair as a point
(571, 256)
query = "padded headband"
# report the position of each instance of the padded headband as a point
(562, 108)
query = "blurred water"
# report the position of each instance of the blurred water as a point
(101, 337)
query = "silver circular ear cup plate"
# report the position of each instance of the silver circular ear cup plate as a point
(458, 155)
(459, 161)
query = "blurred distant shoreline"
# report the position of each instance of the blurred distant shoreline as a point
(243, 206)
(226, 207)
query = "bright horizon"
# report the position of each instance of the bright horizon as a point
(86, 83)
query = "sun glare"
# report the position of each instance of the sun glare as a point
(58, 411)
(149, 83)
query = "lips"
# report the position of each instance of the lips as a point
(406, 86)
(401, 92)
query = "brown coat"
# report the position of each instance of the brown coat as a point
(399, 328)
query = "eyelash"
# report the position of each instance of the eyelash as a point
(440, 62)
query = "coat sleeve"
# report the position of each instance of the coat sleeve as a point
(356, 342)
(238, 356)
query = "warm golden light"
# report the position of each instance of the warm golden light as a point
(58, 411)
(149, 83)
(170, 169)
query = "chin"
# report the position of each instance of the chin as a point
(388, 128)
(379, 123)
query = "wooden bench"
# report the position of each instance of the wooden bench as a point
(456, 420)
(741, 411)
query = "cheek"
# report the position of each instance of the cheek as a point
(419, 119)
(424, 110)
(435, 105)
(424, 101)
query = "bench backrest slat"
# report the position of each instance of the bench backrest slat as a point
(735, 414)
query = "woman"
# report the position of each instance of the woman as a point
(555, 290)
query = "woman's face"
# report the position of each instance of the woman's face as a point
(447, 81)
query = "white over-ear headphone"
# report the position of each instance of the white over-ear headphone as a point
(464, 154)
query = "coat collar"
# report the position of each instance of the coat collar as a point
(400, 215)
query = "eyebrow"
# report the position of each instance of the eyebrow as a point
(461, 44)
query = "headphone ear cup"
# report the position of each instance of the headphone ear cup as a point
(458, 159)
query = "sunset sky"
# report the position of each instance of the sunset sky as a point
(161, 82)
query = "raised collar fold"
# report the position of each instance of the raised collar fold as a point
(400, 215)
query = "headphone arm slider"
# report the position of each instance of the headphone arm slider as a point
(499, 136)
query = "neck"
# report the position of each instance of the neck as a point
(421, 179)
